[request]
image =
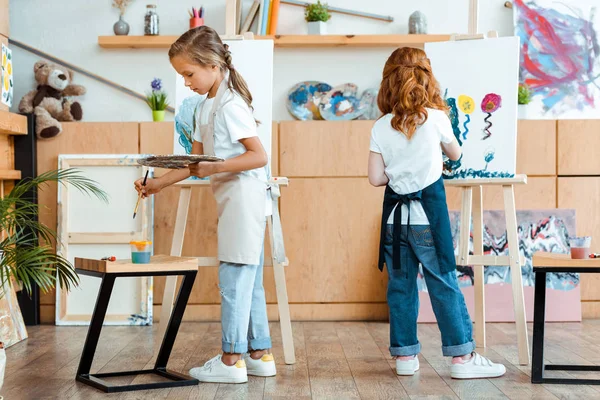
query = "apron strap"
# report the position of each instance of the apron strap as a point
(278, 244)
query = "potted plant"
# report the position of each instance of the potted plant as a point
(157, 100)
(317, 15)
(523, 98)
(121, 27)
(26, 252)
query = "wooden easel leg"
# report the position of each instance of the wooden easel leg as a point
(515, 271)
(465, 226)
(478, 269)
(176, 248)
(283, 306)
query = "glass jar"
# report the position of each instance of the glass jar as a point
(151, 21)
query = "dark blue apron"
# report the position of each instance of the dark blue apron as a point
(433, 200)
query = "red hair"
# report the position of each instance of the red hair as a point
(408, 87)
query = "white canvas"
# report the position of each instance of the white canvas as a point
(475, 74)
(560, 57)
(253, 59)
(131, 299)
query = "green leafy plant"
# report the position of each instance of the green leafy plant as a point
(524, 94)
(317, 12)
(27, 256)
(157, 99)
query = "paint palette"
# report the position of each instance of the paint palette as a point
(342, 104)
(303, 99)
(175, 161)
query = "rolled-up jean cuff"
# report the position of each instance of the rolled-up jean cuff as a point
(235, 348)
(458, 350)
(260, 343)
(406, 350)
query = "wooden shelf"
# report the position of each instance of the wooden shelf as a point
(9, 174)
(12, 124)
(289, 41)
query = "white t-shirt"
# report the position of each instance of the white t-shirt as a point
(233, 122)
(412, 165)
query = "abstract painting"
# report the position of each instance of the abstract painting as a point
(478, 80)
(538, 230)
(6, 76)
(12, 326)
(560, 57)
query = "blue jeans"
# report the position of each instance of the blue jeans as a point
(244, 322)
(447, 300)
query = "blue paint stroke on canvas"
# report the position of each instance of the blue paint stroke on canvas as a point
(560, 54)
(536, 233)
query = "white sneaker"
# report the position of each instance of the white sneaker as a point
(264, 366)
(477, 367)
(215, 371)
(408, 367)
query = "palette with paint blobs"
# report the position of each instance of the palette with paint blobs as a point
(176, 161)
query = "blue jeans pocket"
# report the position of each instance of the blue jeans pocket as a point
(422, 235)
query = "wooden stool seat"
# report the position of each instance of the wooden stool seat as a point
(109, 271)
(159, 263)
(542, 264)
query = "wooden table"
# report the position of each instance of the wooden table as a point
(542, 264)
(109, 271)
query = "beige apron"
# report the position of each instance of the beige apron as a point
(241, 200)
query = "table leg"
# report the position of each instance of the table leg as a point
(91, 341)
(175, 320)
(539, 316)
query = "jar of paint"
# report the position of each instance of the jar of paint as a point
(580, 247)
(140, 251)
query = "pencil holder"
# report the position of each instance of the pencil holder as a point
(196, 22)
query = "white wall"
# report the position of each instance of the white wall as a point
(69, 30)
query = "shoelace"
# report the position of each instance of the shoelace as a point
(212, 362)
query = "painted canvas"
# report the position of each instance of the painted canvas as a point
(253, 59)
(12, 326)
(479, 79)
(7, 76)
(539, 230)
(560, 57)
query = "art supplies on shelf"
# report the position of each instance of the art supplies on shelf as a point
(196, 17)
(250, 17)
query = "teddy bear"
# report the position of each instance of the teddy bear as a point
(49, 101)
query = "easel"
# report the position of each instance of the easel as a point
(272, 222)
(471, 191)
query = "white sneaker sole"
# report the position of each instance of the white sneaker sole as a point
(264, 374)
(476, 375)
(221, 379)
(406, 373)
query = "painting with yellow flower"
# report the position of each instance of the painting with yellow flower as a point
(7, 76)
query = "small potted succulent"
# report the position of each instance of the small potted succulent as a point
(523, 98)
(317, 15)
(157, 100)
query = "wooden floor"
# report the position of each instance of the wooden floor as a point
(346, 360)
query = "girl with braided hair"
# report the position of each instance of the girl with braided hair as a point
(226, 128)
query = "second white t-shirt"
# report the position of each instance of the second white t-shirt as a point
(412, 165)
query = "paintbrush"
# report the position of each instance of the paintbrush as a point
(140, 195)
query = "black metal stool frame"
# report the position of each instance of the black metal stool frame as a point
(160, 367)
(539, 319)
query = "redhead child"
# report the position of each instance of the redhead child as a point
(406, 156)
(226, 128)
